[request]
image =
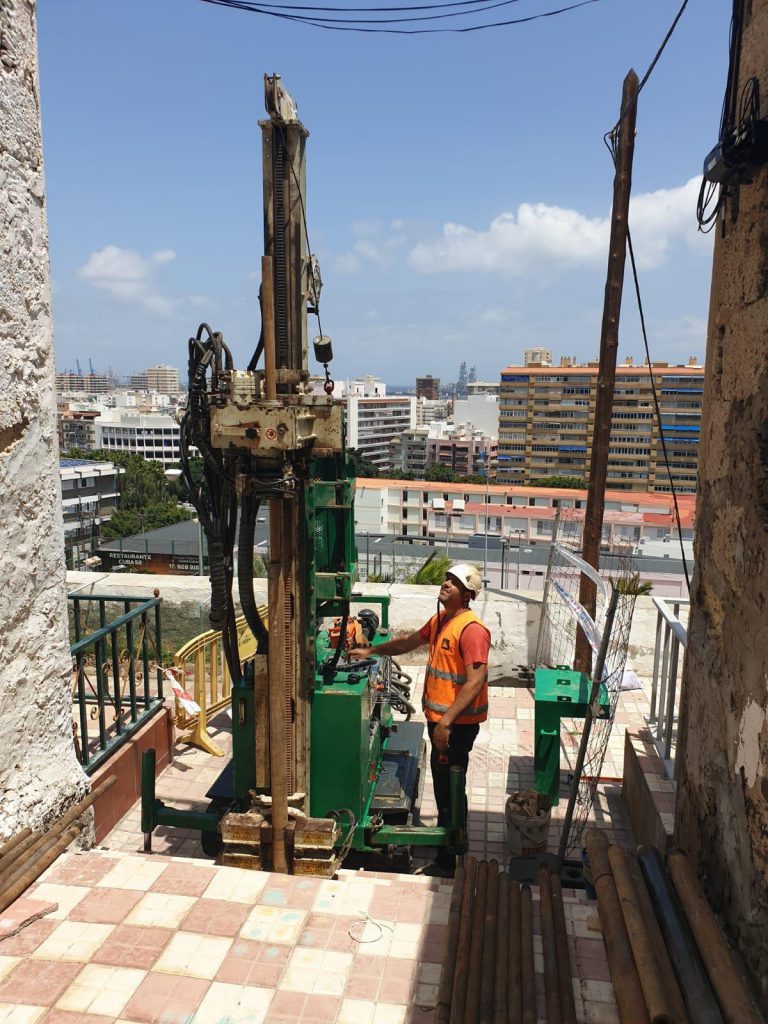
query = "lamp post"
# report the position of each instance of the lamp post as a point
(518, 533)
(485, 552)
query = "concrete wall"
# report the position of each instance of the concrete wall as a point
(38, 770)
(722, 811)
(513, 618)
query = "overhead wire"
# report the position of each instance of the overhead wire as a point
(350, 24)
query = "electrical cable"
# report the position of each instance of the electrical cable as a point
(381, 925)
(339, 25)
(657, 408)
(246, 5)
(315, 20)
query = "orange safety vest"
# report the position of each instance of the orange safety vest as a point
(446, 672)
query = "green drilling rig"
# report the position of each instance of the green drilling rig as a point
(321, 765)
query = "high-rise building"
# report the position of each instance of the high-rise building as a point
(374, 423)
(82, 383)
(428, 387)
(538, 357)
(163, 379)
(547, 414)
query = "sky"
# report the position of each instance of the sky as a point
(458, 189)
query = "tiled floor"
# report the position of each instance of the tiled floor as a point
(501, 763)
(173, 939)
(248, 947)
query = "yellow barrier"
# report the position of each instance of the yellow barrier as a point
(204, 659)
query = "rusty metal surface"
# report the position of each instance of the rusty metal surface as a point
(241, 828)
(240, 859)
(316, 833)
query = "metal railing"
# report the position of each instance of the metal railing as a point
(203, 660)
(117, 675)
(662, 720)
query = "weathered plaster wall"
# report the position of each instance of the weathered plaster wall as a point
(722, 812)
(38, 769)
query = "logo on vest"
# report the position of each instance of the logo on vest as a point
(446, 644)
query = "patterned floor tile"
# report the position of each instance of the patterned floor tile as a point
(101, 990)
(197, 956)
(65, 896)
(164, 999)
(270, 924)
(184, 880)
(12, 1014)
(160, 910)
(254, 963)
(28, 939)
(236, 886)
(139, 873)
(38, 982)
(75, 941)
(105, 906)
(233, 1004)
(133, 946)
(216, 917)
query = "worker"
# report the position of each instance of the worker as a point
(455, 699)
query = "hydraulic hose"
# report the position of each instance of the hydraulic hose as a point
(248, 512)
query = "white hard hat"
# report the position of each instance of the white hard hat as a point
(467, 574)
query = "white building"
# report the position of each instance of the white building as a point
(163, 379)
(481, 410)
(429, 409)
(90, 493)
(155, 436)
(374, 423)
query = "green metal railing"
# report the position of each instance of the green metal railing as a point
(112, 672)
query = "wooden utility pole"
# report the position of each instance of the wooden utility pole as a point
(609, 343)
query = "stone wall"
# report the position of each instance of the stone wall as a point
(38, 770)
(722, 811)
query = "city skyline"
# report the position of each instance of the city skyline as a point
(451, 222)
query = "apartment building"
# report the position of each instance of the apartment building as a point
(163, 379)
(77, 428)
(374, 423)
(409, 451)
(428, 410)
(463, 449)
(481, 410)
(428, 387)
(90, 493)
(82, 383)
(432, 511)
(155, 436)
(547, 414)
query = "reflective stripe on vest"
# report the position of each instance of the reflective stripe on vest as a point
(446, 671)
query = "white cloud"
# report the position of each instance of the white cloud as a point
(130, 277)
(378, 245)
(540, 236)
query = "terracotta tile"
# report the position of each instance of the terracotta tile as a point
(184, 880)
(28, 939)
(23, 912)
(133, 946)
(216, 917)
(321, 1009)
(166, 999)
(56, 1016)
(38, 981)
(79, 869)
(289, 1004)
(106, 906)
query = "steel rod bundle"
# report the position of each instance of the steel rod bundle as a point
(567, 1002)
(697, 992)
(501, 981)
(732, 992)
(26, 858)
(626, 982)
(457, 998)
(488, 971)
(528, 984)
(471, 1006)
(452, 943)
(515, 987)
(551, 977)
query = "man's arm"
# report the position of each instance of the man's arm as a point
(390, 647)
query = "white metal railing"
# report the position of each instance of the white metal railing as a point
(662, 720)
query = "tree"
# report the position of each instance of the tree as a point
(432, 572)
(362, 465)
(440, 474)
(571, 482)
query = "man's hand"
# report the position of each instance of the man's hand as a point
(441, 737)
(358, 653)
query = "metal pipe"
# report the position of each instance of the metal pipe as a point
(457, 782)
(459, 994)
(502, 953)
(691, 974)
(35, 870)
(21, 848)
(148, 799)
(29, 846)
(12, 843)
(515, 990)
(659, 1005)
(472, 1001)
(626, 983)
(445, 989)
(488, 970)
(663, 962)
(268, 327)
(528, 976)
(564, 971)
(276, 668)
(732, 992)
(549, 947)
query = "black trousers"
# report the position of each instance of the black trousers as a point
(461, 741)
